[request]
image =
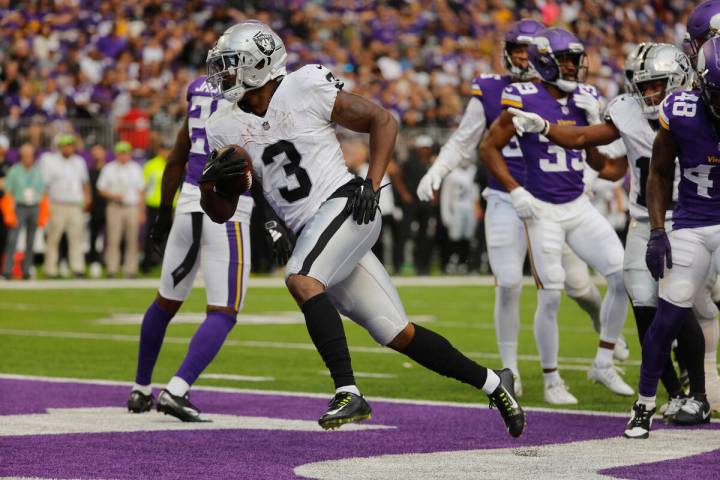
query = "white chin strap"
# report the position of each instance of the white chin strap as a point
(566, 85)
(234, 94)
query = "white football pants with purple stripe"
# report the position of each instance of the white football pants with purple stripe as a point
(224, 254)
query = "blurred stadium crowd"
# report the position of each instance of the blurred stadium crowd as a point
(109, 71)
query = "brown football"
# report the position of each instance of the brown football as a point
(246, 183)
(220, 209)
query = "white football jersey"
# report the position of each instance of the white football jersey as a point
(294, 149)
(625, 113)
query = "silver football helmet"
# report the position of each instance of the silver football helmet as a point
(660, 61)
(246, 57)
(631, 63)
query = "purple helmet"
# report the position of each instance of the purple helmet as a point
(545, 53)
(703, 23)
(521, 33)
(708, 69)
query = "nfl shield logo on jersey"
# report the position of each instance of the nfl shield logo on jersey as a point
(565, 110)
(266, 125)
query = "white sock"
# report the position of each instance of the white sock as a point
(551, 377)
(144, 389)
(546, 329)
(649, 402)
(614, 308)
(507, 324)
(177, 386)
(711, 332)
(590, 301)
(348, 388)
(491, 382)
(604, 356)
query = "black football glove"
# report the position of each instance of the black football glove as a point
(160, 229)
(281, 241)
(363, 202)
(226, 168)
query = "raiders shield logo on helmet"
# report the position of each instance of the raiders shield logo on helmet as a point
(265, 43)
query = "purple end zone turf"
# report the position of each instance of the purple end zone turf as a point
(265, 453)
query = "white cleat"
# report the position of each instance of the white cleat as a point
(556, 393)
(621, 352)
(609, 376)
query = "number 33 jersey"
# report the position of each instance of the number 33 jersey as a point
(638, 136)
(294, 149)
(552, 173)
(685, 116)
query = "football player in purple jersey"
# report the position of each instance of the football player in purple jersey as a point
(225, 252)
(655, 70)
(553, 206)
(504, 230)
(690, 121)
(702, 24)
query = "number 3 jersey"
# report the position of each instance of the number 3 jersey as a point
(638, 136)
(201, 105)
(552, 174)
(685, 116)
(294, 149)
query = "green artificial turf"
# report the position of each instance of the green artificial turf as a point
(462, 314)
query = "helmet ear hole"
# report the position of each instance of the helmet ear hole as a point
(260, 65)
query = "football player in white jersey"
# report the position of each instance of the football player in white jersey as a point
(286, 122)
(504, 230)
(225, 252)
(656, 70)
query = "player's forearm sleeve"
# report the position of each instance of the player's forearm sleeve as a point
(464, 140)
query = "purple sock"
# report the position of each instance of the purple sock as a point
(205, 344)
(152, 333)
(657, 343)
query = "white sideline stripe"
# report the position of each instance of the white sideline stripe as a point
(263, 344)
(482, 406)
(254, 282)
(365, 374)
(238, 378)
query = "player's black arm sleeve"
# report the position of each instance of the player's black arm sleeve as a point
(497, 137)
(175, 168)
(361, 115)
(662, 175)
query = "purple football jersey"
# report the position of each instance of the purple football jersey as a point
(685, 117)
(488, 89)
(201, 105)
(553, 174)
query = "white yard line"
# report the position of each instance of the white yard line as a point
(264, 344)
(237, 378)
(481, 405)
(255, 282)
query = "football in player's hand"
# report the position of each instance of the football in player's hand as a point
(226, 176)
(230, 168)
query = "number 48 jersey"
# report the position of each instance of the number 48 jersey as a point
(638, 136)
(294, 149)
(685, 116)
